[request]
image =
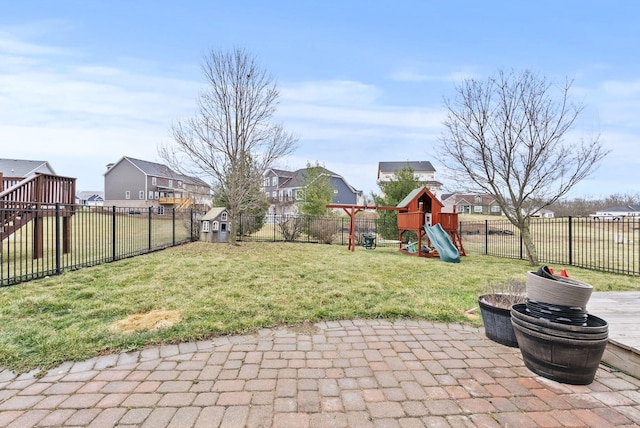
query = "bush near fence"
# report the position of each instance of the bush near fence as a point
(98, 235)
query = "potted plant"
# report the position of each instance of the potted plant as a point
(495, 308)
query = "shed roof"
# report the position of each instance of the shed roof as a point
(213, 213)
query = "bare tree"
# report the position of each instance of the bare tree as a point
(231, 138)
(507, 137)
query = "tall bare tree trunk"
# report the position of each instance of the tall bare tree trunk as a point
(532, 252)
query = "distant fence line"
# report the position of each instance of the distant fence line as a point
(97, 235)
(605, 245)
(105, 234)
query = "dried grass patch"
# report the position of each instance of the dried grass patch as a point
(154, 320)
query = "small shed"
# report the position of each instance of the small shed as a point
(214, 225)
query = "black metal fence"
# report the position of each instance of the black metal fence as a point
(325, 230)
(605, 245)
(54, 241)
(63, 237)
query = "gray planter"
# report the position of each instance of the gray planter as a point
(558, 291)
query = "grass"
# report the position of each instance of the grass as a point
(220, 289)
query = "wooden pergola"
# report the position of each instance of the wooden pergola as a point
(352, 210)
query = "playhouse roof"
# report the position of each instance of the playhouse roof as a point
(415, 193)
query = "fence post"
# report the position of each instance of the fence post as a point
(486, 236)
(149, 237)
(570, 241)
(173, 227)
(58, 267)
(113, 235)
(521, 246)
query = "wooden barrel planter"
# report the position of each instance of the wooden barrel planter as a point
(564, 353)
(496, 316)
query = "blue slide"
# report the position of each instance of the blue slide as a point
(441, 240)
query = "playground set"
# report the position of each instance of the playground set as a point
(420, 212)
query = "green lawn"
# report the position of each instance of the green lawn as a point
(221, 289)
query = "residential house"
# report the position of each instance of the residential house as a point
(15, 170)
(423, 171)
(471, 204)
(617, 212)
(544, 213)
(284, 188)
(138, 183)
(90, 199)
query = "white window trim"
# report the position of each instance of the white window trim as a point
(127, 194)
(205, 226)
(141, 194)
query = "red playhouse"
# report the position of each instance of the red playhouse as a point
(419, 212)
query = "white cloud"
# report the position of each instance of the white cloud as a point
(333, 92)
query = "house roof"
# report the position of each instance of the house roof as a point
(159, 170)
(213, 213)
(623, 208)
(22, 168)
(416, 166)
(295, 178)
(90, 196)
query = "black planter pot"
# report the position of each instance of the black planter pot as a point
(497, 323)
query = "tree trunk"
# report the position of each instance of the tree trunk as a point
(532, 252)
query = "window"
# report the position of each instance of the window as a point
(460, 209)
(156, 195)
(214, 225)
(150, 194)
(180, 183)
(154, 181)
(266, 182)
(477, 208)
(478, 199)
(127, 195)
(274, 181)
(170, 183)
(141, 194)
(223, 216)
(495, 208)
(205, 226)
(274, 194)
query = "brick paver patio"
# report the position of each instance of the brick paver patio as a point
(362, 373)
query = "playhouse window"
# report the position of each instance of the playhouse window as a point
(223, 216)
(205, 226)
(215, 225)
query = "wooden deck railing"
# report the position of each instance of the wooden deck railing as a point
(20, 202)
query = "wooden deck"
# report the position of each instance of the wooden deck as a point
(622, 311)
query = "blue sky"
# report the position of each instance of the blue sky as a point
(83, 83)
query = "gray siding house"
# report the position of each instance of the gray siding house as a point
(284, 188)
(138, 183)
(15, 170)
